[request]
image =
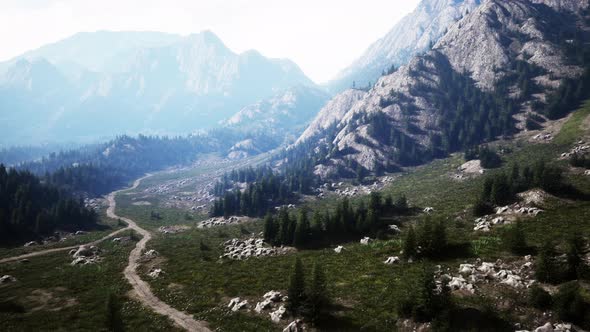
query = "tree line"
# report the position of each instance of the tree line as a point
(501, 188)
(344, 223)
(30, 208)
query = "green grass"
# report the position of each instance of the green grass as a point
(103, 228)
(85, 287)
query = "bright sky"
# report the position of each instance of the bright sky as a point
(321, 36)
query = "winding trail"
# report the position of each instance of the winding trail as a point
(142, 289)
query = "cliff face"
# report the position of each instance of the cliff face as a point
(488, 47)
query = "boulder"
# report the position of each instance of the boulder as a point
(545, 328)
(392, 260)
(31, 243)
(365, 241)
(273, 296)
(294, 326)
(428, 209)
(7, 279)
(277, 315)
(338, 249)
(155, 273)
(394, 228)
(466, 268)
(262, 306)
(151, 253)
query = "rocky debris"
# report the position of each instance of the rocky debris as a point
(260, 306)
(507, 214)
(80, 233)
(150, 253)
(235, 304)
(392, 260)
(341, 190)
(365, 241)
(85, 255)
(155, 273)
(579, 149)
(294, 326)
(395, 229)
(338, 249)
(93, 203)
(515, 275)
(587, 172)
(5, 279)
(273, 296)
(543, 137)
(548, 327)
(472, 167)
(277, 315)
(428, 209)
(31, 243)
(221, 221)
(533, 196)
(252, 247)
(172, 229)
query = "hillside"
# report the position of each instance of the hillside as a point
(483, 79)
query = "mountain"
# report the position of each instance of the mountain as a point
(155, 83)
(505, 64)
(287, 111)
(414, 34)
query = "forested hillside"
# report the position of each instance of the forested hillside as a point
(30, 208)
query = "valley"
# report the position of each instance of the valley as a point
(156, 181)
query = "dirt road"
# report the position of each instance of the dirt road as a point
(142, 288)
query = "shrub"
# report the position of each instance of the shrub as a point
(570, 305)
(515, 239)
(539, 298)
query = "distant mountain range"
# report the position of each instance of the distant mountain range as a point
(102, 84)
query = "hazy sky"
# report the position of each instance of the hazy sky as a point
(321, 36)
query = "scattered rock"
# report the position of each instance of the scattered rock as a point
(7, 279)
(395, 229)
(155, 273)
(252, 247)
(273, 296)
(85, 255)
(277, 315)
(151, 253)
(338, 249)
(365, 240)
(29, 244)
(260, 306)
(294, 326)
(221, 221)
(428, 209)
(173, 229)
(392, 260)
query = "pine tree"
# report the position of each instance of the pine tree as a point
(114, 322)
(296, 290)
(317, 295)
(575, 252)
(301, 236)
(270, 229)
(410, 249)
(546, 268)
(515, 238)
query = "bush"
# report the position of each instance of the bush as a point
(515, 239)
(570, 305)
(482, 208)
(539, 298)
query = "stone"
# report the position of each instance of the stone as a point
(428, 209)
(7, 279)
(294, 326)
(155, 273)
(31, 243)
(277, 315)
(395, 228)
(392, 260)
(260, 306)
(545, 328)
(273, 296)
(338, 249)
(365, 240)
